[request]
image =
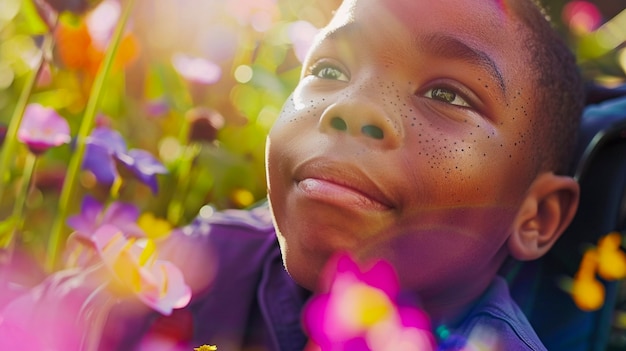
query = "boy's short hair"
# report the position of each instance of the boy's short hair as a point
(560, 92)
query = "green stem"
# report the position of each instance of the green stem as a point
(175, 210)
(10, 140)
(20, 201)
(17, 217)
(56, 236)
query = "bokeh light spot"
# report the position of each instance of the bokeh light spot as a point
(169, 149)
(206, 211)
(243, 74)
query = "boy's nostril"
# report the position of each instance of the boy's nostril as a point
(338, 123)
(372, 131)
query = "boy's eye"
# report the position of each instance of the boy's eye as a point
(446, 95)
(326, 71)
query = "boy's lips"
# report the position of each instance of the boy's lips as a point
(341, 184)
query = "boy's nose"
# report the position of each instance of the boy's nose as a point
(362, 120)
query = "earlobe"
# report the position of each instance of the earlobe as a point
(546, 211)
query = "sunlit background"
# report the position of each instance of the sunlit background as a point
(197, 83)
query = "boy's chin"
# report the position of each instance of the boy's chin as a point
(305, 272)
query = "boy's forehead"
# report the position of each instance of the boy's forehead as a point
(491, 11)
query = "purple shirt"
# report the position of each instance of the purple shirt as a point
(252, 303)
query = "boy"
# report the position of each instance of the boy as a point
(431, 134)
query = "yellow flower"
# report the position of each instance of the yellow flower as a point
(588, 293)
(206, 348)
(611, 259)
(155, 228)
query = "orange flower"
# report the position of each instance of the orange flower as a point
(78, 51)
(72, 44)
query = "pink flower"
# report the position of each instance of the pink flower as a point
(93, 215)
(42, 128)
(360, 312)
(197, 69)
(135, 267)
(582, 17)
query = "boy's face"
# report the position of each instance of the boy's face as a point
(407, 139)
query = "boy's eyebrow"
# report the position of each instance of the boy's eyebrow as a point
(446, 46)
(439, 45)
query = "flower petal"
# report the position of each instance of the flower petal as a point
(99, 161)
(87, 220)
(43, 128)
(144, 166)
(108, 138)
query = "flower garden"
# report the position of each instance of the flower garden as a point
(125, 120)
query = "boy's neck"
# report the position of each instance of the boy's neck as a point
(451, 304)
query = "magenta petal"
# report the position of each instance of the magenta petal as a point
(382, 275)
(314, 316)
(356, 344)
(412, 317)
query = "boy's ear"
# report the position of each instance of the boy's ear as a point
(548, 208)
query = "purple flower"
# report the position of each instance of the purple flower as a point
(42, 128)
(106, 148)
(81, 250)
(94, 215)
(360, 312)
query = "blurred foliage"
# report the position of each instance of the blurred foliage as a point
(155, 107)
